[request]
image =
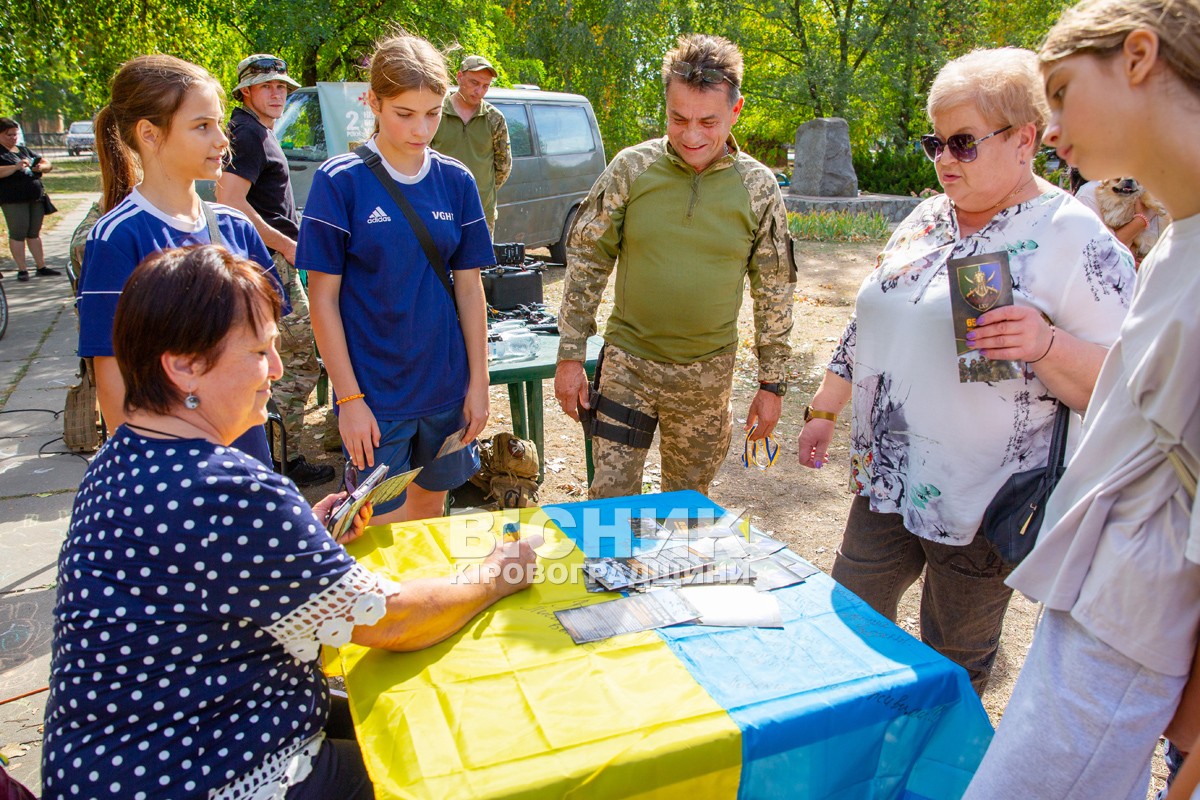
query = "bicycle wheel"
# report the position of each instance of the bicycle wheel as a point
(3, 311)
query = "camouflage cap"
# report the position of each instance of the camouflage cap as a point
(261, 68)
(476, 63)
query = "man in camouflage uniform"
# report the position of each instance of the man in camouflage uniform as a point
(684, 219)
(257, 182)
(475, 132)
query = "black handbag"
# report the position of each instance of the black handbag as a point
(47, 206)
(1014, 517)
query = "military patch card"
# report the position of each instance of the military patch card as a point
(978, 284)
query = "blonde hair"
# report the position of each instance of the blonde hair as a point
(1003, 84)
(405, 62)
(150, 88)
(1099, 28)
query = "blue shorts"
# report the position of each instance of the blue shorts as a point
(413, 443)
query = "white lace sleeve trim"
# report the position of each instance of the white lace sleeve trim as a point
(271, 779)
(359, 598)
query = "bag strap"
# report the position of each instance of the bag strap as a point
(1058, 440)
(214, 232)
(375, 164)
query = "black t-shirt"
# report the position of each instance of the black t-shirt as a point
(19, 187)
(255, 155)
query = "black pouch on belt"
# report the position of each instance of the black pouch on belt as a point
(633, 428)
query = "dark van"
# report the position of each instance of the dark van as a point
(556, 148)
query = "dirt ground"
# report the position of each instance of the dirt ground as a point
(806, 508)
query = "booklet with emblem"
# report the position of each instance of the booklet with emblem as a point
(375, 489)
(669, 560)
(978, 284)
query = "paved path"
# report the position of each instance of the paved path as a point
(38, 478)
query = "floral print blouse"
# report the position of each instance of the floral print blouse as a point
(923, 444)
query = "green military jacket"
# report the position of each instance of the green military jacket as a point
(481, 143)
(682, 244)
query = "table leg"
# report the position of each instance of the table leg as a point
(537, 427)
(516, 404)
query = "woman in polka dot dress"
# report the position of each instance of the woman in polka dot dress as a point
(196, 585)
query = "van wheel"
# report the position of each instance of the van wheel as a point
(558, 251)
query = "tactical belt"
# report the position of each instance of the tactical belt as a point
(634, 428)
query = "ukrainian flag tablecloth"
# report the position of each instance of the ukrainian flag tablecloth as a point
(840, 703)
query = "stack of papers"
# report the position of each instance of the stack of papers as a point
(673, 553)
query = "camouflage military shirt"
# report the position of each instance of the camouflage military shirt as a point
(682, 244)
(481, 143)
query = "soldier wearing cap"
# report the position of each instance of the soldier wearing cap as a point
(685, 220)
(256, 181)
(474, 131)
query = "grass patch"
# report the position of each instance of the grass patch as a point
(71, 177)
(838, 226)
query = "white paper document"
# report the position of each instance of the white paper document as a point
(729, 606)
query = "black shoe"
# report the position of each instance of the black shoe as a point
(23, 275)
(304, 474)
(46, 272)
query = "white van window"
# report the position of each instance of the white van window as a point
(562, 129)
(518, 128)
(299, 130)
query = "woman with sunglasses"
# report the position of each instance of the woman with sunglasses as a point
(935, 434)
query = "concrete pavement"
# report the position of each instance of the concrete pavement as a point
(38, 479)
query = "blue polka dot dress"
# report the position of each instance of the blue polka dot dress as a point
(195, 589)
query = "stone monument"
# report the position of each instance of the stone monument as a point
(823, 166)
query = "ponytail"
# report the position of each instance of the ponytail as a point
(119, 167)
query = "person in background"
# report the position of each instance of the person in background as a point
(476, 133)
(684, 220)
(162, 126)
(188, 665)
(929, 451)
(406, 349)
(1117, 565)
(21, 193)
(257, 182)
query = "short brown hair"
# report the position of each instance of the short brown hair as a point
(1002, 83)
(1099, 28)
(183, 301)
(7, 124)
(704, 52)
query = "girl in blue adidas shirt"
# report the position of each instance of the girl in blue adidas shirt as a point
(164, 120)
(408, 361)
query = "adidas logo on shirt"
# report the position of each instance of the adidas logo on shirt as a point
(378, 216)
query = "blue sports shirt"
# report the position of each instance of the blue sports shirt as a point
(402, 330)
(122, 238)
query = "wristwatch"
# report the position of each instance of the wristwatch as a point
(812, 413)
(774, 388)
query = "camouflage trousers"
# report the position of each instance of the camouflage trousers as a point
(695, 421)
(298, 353)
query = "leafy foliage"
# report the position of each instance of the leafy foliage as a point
(869, 61)
(894, 170)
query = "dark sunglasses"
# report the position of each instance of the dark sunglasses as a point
(264, 65)
(963, 146)
(686, 71)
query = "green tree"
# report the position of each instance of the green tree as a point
(610, 51)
